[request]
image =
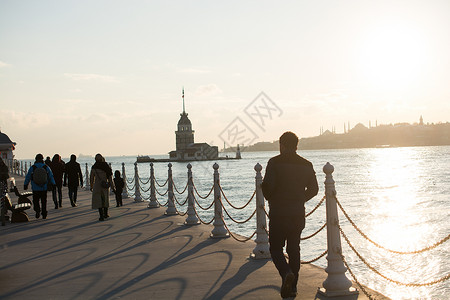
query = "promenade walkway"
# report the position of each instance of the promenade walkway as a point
(138, 253)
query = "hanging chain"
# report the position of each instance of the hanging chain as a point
(446, 277)
(315, 259)
(310, 236)
(389, 250)
(315, 208)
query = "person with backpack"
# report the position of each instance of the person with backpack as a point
(40, 176)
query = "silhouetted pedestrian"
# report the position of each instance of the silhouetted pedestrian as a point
(119, 183)
(72, 176)
(40, 175)
(57, 167)
(289, 182)
(101, 180)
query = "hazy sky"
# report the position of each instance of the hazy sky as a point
(106, 76)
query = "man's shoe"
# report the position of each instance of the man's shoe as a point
(38, 214)
(294, 292)
(287, 286)
(101, 219)
(56, 206)
(44, 216)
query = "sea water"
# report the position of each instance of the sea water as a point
(399, 198)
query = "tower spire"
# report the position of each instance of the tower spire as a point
(183, 102)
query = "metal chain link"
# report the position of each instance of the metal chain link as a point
(198, 204)
(233, 236)
(177, 189)
(180, 204)
(210, 191)
(160, 184)
(131, 188)
(128, 181)
(310, 236)
(446, 277)
(145, 191)
(201, 220)
(384, 248)
(144, 183)
(356, 280)
(315, 208)
(315, 259)
(235, 207)
(162, 195)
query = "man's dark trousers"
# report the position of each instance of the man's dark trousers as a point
(73, 194)
(40, 207)
(281, 229)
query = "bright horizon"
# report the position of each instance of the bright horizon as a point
(95, 77)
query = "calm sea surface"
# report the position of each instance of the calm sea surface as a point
(399, 197)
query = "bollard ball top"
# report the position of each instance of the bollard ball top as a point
(215, 166)
(328, 168)
(189, 166)
(151, 164)
(170, 165)
(258, 167)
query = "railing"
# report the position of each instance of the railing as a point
(192, 203)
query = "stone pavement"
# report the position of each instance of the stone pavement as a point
(138, 253)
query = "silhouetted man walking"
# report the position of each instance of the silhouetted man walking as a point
(289, 182)
(72, 176)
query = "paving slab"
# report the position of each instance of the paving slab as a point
(138, 253)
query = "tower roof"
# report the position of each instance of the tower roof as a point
(184, 120)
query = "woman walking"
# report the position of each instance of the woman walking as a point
(101, 180)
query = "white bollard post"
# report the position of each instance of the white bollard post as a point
(336, 284)
(153, 201)
(21, 168)
(87, 186)
(191, 218)
(219, 230)
(171, 209)
(124, 176)
(261, 250)
(137, 191)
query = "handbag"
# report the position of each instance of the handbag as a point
(104, 183)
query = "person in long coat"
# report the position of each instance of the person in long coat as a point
(101, 180)
(72, 178)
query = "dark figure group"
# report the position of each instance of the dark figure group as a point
(289, 182)
(48, 176)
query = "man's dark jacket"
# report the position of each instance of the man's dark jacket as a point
(73, 174)
(289, 182)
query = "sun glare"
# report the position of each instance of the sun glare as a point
(392, 55)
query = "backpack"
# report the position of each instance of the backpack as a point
(39, 175)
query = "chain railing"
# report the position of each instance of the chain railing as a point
(336, 284)
(338, 259)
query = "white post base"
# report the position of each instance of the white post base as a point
(350, 294)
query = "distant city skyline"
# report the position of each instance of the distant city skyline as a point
(100, 77)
